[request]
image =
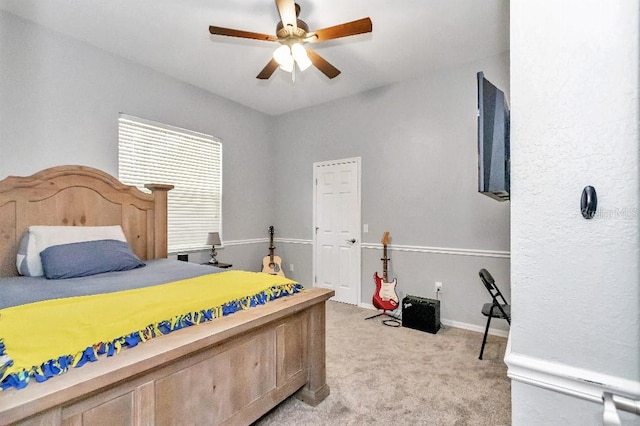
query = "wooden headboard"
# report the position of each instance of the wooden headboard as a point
(81, 196)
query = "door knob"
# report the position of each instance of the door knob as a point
(352, 241)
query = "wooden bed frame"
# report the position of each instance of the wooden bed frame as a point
(229, 371)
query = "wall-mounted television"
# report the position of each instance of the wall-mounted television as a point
(493, 141)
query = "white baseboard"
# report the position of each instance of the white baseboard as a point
(474, 327)
(450, 323)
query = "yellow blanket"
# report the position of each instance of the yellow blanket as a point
(79, 327)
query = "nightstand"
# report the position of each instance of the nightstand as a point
(219, 265)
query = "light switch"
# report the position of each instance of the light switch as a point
(365, 227)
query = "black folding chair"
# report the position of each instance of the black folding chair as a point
(499, 308)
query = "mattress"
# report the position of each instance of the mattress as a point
(16, 291)
(49, 326)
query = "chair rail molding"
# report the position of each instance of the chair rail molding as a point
(244, 242)
(377, 246)
(293, 241)
(573, 381)
(441, 250)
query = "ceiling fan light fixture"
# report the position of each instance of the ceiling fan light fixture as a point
(299, 53)
(282, 55)
(287, 66)
(292, 33)
(287, 57)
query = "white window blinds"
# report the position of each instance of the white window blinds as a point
(151, 152)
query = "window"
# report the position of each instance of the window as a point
(151, 152)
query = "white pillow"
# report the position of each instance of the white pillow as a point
(38, 238)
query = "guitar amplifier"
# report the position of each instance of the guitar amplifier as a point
(421, 314)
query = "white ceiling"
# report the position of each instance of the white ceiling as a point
(410, 38)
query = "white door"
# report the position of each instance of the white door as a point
(336, 248)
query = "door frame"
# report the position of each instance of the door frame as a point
(358, 213)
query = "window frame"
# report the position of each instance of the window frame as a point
(138, 171)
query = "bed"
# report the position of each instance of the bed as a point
(227, 370)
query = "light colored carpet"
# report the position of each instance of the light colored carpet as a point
(385, 375)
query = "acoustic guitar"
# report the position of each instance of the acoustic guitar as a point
(385, 296)
(272, 264)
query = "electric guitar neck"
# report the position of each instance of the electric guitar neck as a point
(385, 297)
(385, 259)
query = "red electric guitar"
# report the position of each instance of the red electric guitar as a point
(385, 297)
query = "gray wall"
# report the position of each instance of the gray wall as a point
(59, 104)
(417, 140)
(575, 83)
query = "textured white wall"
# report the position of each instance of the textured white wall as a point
(575, 119)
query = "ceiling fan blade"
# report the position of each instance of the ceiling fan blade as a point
(268, 70)
(359, 26)
(287, 11)
(322, 64)
(242, 34)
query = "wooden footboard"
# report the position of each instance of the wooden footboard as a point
(229, 371)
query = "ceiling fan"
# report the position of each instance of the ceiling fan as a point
(293, 33)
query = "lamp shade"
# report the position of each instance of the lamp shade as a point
(299, 53)
(213, 239)
(287, 64)
(282, 55)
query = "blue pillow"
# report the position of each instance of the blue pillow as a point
(88, 258)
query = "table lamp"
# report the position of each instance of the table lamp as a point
(213, 240)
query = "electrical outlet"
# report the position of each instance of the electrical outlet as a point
(291, 267)
(438, 287)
